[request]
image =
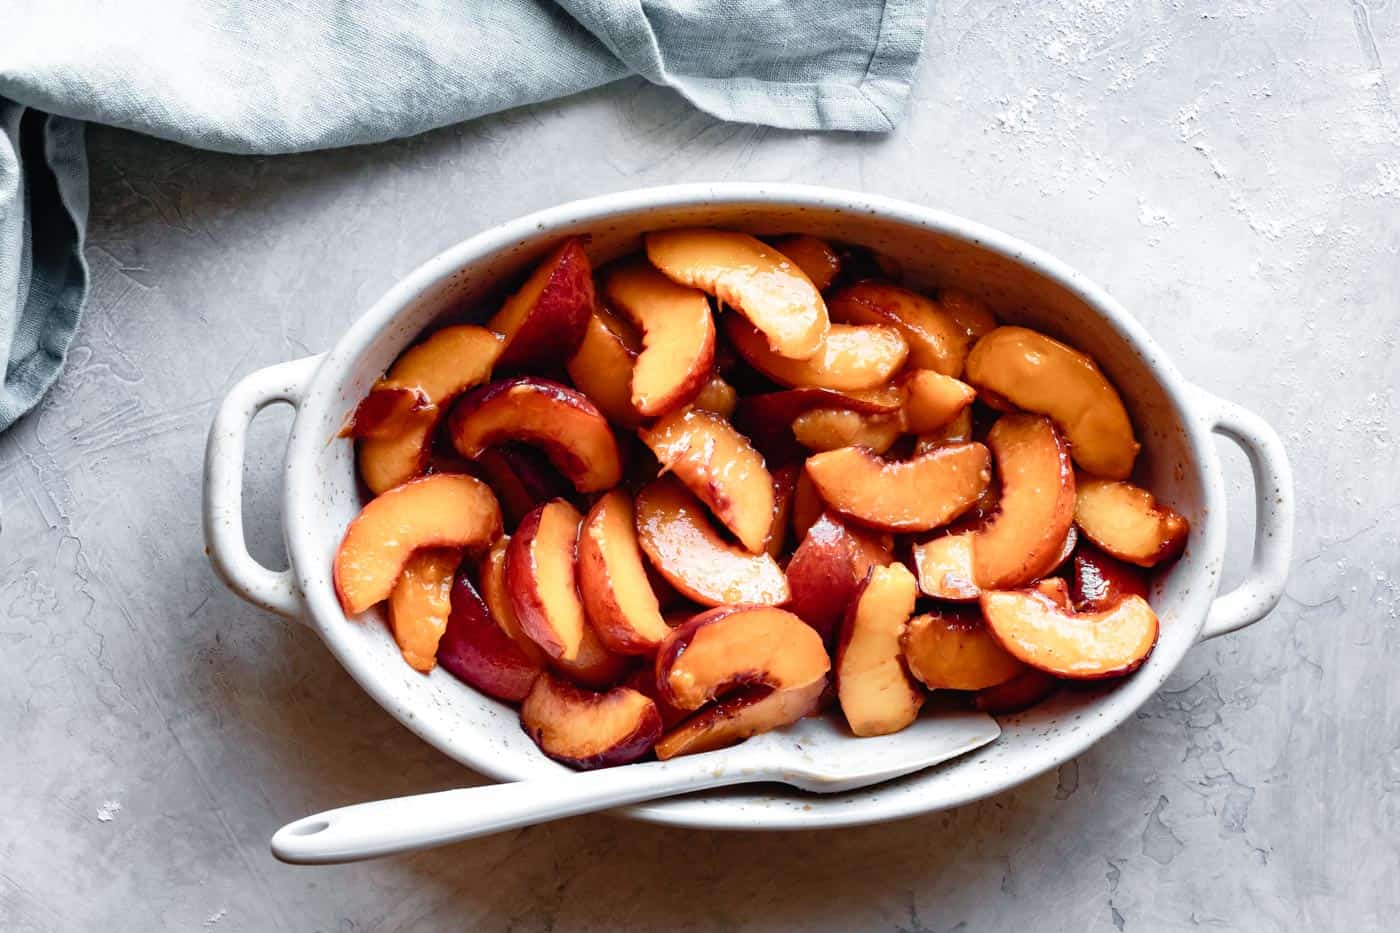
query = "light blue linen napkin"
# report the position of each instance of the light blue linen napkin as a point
(274, 76)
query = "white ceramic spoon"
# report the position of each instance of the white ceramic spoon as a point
(816, 755)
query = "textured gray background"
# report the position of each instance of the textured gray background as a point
(1230, 172)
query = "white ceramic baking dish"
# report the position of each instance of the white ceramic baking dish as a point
(1174, 419)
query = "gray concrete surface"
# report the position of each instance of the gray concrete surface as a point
(1231, 172)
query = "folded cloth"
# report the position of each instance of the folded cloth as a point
(274, 76)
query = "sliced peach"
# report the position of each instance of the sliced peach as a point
(1025, 538)
(491, 574)
(807, 505)
(587, 730)
(740, 716)
(520, 478)
(911, 495)
(680, 542)
(750, 276)
(562, 422)
(1100, 581)
(823, 429)
(477, 649)
(970, 314)
(543, 323)
(1020, 692)
(814, 256)
(448, 363)
(952, 649)
(541, 580)
(601, 369)
(1038, 374)
(1041, 632)
(935, 339)
(876, 692)
(737, 646)
(594, 666)
(784, 486)
(850, 358)
(717, 396)
(420, 603)
(446, 510)
(678, 336)
(384, 411)
(617, 597)
(643, 680)
(1128, 522)
(933, 400)
(944, 566)
(957, 431)
(720, 467)
(827, 568)
(767, 418)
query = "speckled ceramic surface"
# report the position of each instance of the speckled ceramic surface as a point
(1174, 422)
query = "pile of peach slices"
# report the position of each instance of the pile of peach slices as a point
(720, 486)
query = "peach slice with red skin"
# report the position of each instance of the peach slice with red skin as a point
(541, 579)
(933, 400)
(911, 495)
(751, 277)
(587, 730)
(936, 341)
(814, 256)
(543, 323)
(825, 571)
(420, 604)
(598, 365)
(1025, 539)
(384, 411)
(945, 565)
(1038, 374)
(679, 541)
(1021, 692)
(849, 359)
(767, 418)
(1099, 581)
(446, 364)
(823, 429)
(1040, 631)
(737, 646)
(740, 716)
(478, 650)
(876, 692)
(491, 574)
(1128, 522)
(594, 666)
(643, 680)
(952, 649)
(617, 596)
(562, 422)
(719, 466)
(445, 510)
(520, 478)
(678, 336)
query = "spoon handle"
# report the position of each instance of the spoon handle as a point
(420, 821)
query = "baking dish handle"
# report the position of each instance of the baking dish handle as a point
(1263, 584)
(274, 590)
